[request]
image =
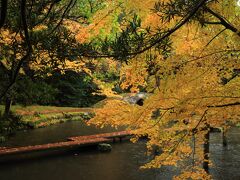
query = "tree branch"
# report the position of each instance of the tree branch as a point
(223, 21)
(29, 49)
(48, 12)
(215, 37)
(168, 33)
(174, 29)
(225, 105)
(69, 6)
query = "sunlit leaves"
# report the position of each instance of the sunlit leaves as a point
(195, 86)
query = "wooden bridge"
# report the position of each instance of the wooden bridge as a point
(71, 142)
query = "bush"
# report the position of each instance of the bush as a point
(74, 89)
(28, 92)
(69, 89)
(9, 124)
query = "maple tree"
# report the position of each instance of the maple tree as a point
(194, 77)
(49, 37)
(175, 51)
(24, 36)
(37, 41)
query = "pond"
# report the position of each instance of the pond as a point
(122, 162)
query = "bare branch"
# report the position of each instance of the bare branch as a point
(223, 21)
(225, 105)
(69, 6)
(215, 37)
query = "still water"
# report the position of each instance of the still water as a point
(122, 163)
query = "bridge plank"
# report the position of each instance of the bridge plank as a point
(72, 141)
(104, 135)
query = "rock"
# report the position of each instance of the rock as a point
(141, 95)
(103, 147)
(137, 98)
(31, 125)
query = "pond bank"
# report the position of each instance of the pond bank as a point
(32, 117)
(43, 120)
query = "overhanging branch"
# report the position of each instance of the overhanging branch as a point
(223, 21)
(174, 29)
(225, 105)
(168, 33)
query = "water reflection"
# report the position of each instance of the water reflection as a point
(226, 160)
(121, 163)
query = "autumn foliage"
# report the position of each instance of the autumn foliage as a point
(184, 54)
(194, 89)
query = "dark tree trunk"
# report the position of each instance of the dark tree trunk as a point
(206, 149)
(8, 104)
(224, 138)
(91, 6)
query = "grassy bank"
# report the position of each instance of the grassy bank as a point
(30, 110)
(41, 116)
(42, 120)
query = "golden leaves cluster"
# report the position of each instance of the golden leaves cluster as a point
(191, 94)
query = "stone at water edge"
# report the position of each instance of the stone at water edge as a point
(104, 147)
